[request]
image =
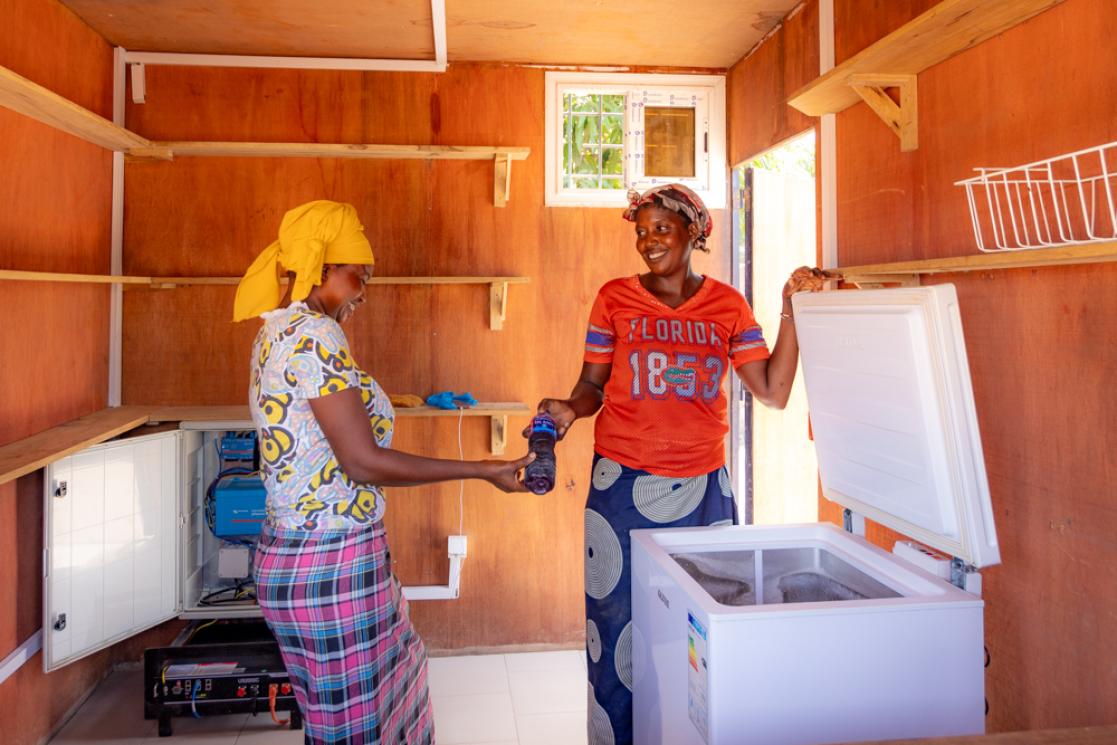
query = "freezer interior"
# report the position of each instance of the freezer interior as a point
(772, 576)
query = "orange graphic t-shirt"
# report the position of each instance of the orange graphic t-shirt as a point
(665, 408)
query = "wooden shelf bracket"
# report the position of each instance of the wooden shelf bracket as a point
(944, 30)
(498, 305)
(502, 179)
(902, 118)
(498, 426)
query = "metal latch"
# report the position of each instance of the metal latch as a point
(61, 489)
(60, 622)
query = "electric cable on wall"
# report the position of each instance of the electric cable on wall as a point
(461, 482)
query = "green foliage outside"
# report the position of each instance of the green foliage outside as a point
(794, 155)
(593, 141)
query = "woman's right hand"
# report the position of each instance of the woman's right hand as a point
(506, 474)
(560, 410)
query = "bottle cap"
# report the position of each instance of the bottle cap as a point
(544, 423)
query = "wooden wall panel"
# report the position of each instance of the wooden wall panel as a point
(759, 84)
(858, 23)
(56, 193)
(522, 581)
(1039, 341)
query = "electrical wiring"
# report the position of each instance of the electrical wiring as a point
(461, 483)
(273, 691)
(194, 699)
(239, 592)
(192, 634)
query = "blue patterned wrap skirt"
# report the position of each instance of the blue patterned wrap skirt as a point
(623, 499)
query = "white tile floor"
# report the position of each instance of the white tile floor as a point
(533, 698)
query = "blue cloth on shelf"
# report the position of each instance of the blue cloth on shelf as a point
(465, 400)
(450, 400)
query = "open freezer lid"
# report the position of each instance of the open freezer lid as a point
(888, 385)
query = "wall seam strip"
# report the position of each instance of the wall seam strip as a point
(116, 236)
(828, 144)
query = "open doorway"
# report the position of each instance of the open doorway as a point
(774, 225)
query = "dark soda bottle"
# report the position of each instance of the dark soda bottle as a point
(539, 476)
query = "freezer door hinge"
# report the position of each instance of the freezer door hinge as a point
(853, 523)
(965, 576)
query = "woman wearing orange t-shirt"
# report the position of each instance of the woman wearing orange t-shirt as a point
(658, 348)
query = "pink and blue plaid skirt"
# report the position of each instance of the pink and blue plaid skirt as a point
(358, 668)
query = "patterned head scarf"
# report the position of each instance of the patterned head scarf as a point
(677, 198)
(310, 236)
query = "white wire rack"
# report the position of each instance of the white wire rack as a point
(1061, 201)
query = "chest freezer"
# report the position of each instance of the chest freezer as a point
(127, 543)
(808, 634)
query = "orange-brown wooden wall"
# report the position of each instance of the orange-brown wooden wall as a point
(1040, 341)
(56, 191)
(522, 580)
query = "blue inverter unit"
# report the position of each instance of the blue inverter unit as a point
(239, 505)
(237, 447)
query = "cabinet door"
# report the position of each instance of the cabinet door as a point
(110, 552)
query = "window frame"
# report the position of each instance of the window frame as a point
(714, 193)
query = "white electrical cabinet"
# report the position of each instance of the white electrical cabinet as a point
(807, 634)
(126, 544)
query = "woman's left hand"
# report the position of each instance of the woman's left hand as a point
(804, 279)
(506, 474)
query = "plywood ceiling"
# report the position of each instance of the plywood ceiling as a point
(670, 33)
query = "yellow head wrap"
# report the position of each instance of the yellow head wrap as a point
(311, 235)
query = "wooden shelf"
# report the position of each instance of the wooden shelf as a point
(15, 275)
(237, 417)
(24, 456)
(30, 99)
(502, 157)
(21, 457)
(169, 150)
(948, 28)
(498, 286)
(909, 272)
(240, 414)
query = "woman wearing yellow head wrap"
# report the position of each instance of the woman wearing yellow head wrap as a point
(311, 236)
(323, 578)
